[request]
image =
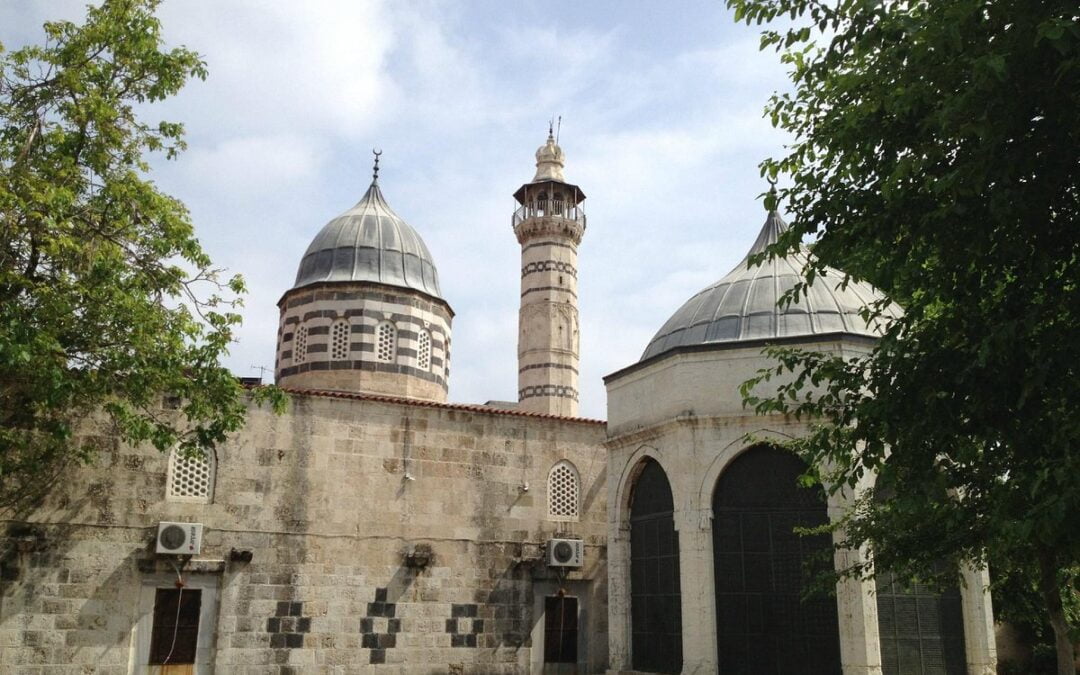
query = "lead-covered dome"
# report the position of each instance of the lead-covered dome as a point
(743, 305)
(370, 242)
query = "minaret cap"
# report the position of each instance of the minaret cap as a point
(549, 160)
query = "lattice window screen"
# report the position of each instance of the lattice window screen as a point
(339, 340)
(299, 354)
(386, 342)
(564, 489)
(191, 479)
(423, 351)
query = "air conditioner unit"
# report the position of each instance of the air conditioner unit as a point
(565, 552)
(179, 538)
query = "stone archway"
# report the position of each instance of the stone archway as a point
(763, 570)
(655, 602)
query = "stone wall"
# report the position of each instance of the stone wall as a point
(320, 498)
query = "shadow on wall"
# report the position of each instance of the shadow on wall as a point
(69, 593)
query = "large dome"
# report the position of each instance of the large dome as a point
(370, 242)
(742, 306)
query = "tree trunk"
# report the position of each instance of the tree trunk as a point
(1051, 592)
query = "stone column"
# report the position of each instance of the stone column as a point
(979, 645)
(618, 590)
(856, 608)
(698, 592)
(856, 600)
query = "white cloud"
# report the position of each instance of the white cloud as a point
(662, 128)
(284, 66)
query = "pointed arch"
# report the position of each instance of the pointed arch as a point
(300, 344)
(423, 350)
(386, 342)
(655, 596)
(339, 339)
(191, 477)
(766, 621)
(564, 491)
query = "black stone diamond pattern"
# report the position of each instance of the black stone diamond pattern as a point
(463, 626)
(288, 625)
(378, 642)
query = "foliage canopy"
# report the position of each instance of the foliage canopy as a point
(107, 300)
(936, 156)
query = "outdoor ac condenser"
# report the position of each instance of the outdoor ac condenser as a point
(179, 538)
(565, 552)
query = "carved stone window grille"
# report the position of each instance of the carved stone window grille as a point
(191, 478)
(386, 342)
(564, 490)
(423, 351)
(339, 340)
(300, 345)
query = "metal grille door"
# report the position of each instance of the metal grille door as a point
(766, 624)
(655, 604)
(922, 631)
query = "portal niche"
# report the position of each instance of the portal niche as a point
(655, 604)
(766, 621)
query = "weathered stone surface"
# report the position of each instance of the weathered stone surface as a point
(321, 499)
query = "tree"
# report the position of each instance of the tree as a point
(107, 300)
(935, 155)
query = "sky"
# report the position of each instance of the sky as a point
(662, 126)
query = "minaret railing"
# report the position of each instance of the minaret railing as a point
(549, 207)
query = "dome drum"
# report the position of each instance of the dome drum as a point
(364, 338)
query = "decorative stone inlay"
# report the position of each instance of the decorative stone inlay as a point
(380, 627)
(464, 626)
(288, 626)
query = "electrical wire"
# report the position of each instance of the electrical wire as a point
(176, 621)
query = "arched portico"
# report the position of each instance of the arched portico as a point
(769, 620)
(655, 593)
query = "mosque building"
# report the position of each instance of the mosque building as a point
(376, 527)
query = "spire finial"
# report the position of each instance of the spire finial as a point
(551, 128)
(772, 201)
(375, 173)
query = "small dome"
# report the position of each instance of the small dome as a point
(742, 306)
(550, 161)
(370, 242)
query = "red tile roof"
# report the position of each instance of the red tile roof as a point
(466, 407)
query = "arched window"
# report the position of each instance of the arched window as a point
(655, 599)
(423, 351)
(385, 342)
(299, 354)
(765, 620)
(339, 340)
(191, 476)
(564, 492)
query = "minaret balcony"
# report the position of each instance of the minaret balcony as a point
(540, 208)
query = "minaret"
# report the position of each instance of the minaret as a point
(549, 223)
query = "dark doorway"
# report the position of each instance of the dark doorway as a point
(767, 622)
(655, 606)
(175, 633)
(560, 629)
